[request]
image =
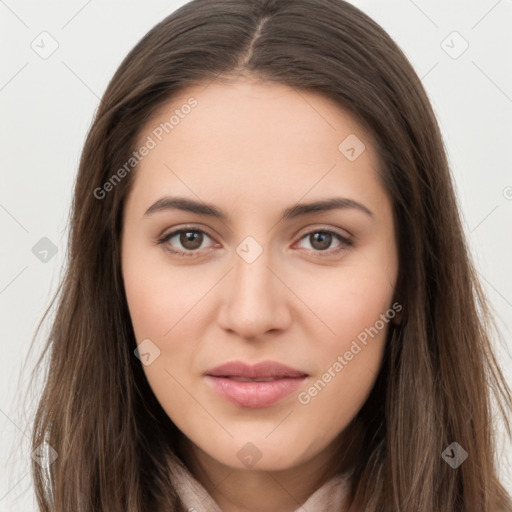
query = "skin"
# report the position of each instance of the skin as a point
(253, 149)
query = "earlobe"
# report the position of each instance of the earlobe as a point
(398, 308)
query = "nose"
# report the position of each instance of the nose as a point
(256, 299)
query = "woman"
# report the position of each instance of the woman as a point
(269, 302)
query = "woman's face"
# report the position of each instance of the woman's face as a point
(311, 288)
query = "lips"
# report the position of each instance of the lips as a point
(260, 385)
(263, 370)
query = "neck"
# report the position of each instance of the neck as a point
(240, 490)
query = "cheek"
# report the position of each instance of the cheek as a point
(164, 306)
(167, 305)
(356, 307)
(347, 303)
(159, 295)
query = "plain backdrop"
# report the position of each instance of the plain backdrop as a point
(57, 58)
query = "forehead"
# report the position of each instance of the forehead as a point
(252, 113)
(247, 138)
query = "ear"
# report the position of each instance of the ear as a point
(399, 311)
(398, 317)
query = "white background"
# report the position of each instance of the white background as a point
(47, 106)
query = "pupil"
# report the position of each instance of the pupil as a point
(321, 240)
(191, 240)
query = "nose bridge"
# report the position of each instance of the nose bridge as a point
(255, 300)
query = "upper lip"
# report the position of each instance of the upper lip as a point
(265, 369)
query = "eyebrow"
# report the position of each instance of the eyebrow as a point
(201, 208)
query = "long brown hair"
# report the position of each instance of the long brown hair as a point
(439, 374)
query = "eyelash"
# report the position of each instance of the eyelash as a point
(345, 243)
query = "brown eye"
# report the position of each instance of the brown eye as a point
(185, 242)
(321, 241)
(191, 239)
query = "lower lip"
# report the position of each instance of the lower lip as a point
(255, 394)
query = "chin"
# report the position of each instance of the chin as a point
(259, 455)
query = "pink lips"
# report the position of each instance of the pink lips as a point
(253, 386)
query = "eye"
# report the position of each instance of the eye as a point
(320, 240)
(188, 241)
